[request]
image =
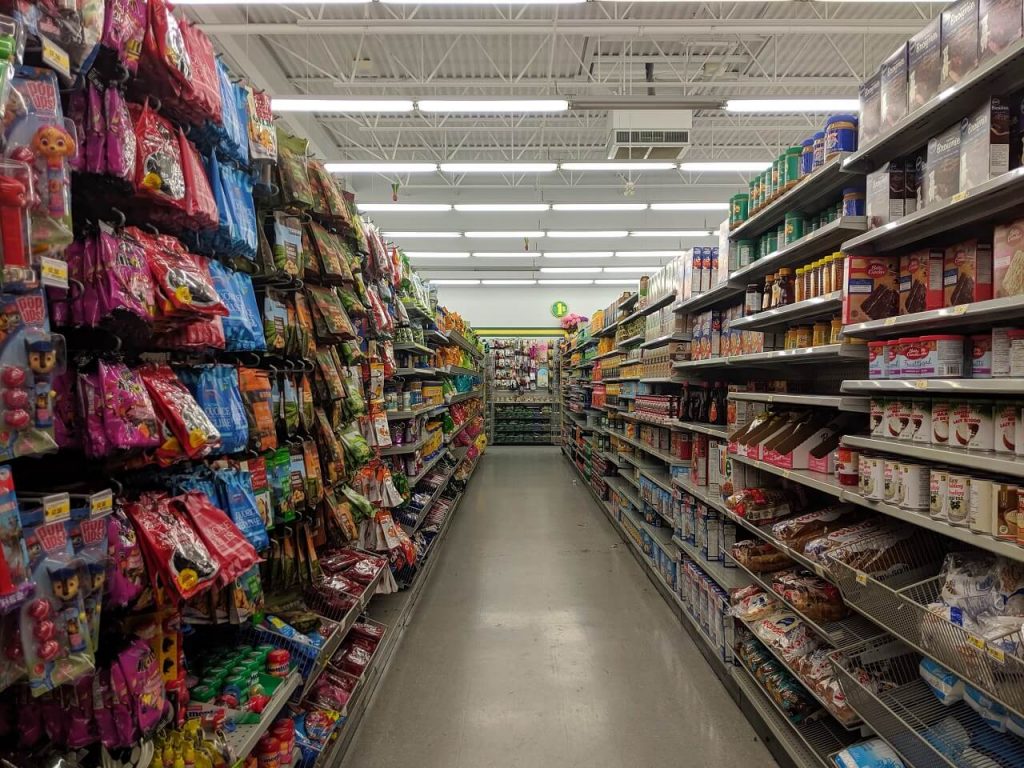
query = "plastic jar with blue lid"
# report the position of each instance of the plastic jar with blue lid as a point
(819, 149)
(853, 201)
(840, 135)
(806, 156)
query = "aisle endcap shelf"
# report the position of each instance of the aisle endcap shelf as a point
(962, 316)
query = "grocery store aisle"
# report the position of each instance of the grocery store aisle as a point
(540, 642)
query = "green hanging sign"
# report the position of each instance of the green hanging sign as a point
(559, 309)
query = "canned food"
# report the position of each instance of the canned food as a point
(876, 417)
(979, 508)
(914, 488)
(958, 503)
(872, 479)
(1006, 426)
(921, 420)
(891, 481)
(938, 482)
(897, 417)
(847, 465)
(970, 425)
(1005, 511)
(940, 422)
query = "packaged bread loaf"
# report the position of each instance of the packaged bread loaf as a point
(795, 532)
(814, 597)
(759, 556)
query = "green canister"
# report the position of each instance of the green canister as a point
(793, 166)
(777, 172)
(794, 226)
(746, 252)
(766, 187)
(771, 242)
(753, 186)
(739, 205)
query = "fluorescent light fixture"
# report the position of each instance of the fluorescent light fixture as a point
(404, 207)
(436, 254)
(648, 254)
(739, 165)
(615, 282)
(272, 2)
(491, 106)
(505, 254)
(509, 282)
(423, 235)
(770, 106)
(339, 106)
(577, 254)
(569, 270)
(638, 270)
(501, 207)
(599, 207)
(588, 233)
(499, 167)
(481, 2)
(670, 233)
(689, 206)
(432, 281)
(613, 166)
(507, 235)
(380, 167)
(566, 282)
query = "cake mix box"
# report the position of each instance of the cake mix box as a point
(1008, 259)
(985, 143)
(967, 272)
(893, 95)
(924, 65)
(870, 288)
(942, 171)
(870, 108)
(999, 25)
(921, 280)
(959, 41)
(886, 193)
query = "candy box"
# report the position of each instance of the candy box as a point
(959, 41)
(942, 168)
(984, 143)
(967, 273)
(893, 95)
(924, 65)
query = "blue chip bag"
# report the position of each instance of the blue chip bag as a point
(243, 327)
(235, 486)
(217, 391)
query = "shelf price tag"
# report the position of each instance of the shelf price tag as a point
(976, 641)
(997, 654)
(958, 196)
(921, 384)
(56, 507)
(819, 571)
(961, 309)
(862, 578)
(889, 321)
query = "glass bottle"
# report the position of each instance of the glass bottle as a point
(766, 301)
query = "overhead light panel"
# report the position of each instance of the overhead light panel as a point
(505, 254)
(570, 270)
(501, 207)
(436, 254)
(339, 106)
(737, 165)
(648, 254)
(422, 235)
(499, 167)
(497, 234)
(566, 282)
(613, 166)
(615, 282)
(272, 2)
(404, 207)
(588, 233)
(453, 282)
(599, 207)
(638, 270)
(481, 2)
(689, 206)
(670, 233)
(380, 167)
(577, 254)
(813, 106)
(509, 282)
(491, 106)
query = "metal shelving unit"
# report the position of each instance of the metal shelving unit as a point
(963, 317)
(940, 386)
(851, 403)
(243, 739)
(661, 341)
(726, 578)
(820, 306)
(719, 293)
(840, 354)
(982, 461)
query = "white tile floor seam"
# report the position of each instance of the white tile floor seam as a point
(539, 641)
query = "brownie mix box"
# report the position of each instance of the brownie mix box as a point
(870, 288)
(921, 280)
(924, 65)
(893, 95)
(1008, 259)
(959, 42)
(885, 196)
(999, 24)
(984, 143)
(967, 272)
(942, 168)
(870, 108)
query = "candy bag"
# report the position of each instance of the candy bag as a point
(129, 419)
(243, 328)
(230, 548)
(120, 145)
(217, 391)
(192, 428)
(158, 170)
(239, 501)
(124, 26)
(256, 395)
(141, 671)
(296, 191)
(126, 571)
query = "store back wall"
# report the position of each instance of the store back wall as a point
(526, 306)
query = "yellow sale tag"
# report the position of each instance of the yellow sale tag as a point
(921, 384)
(101, 503)
(56, 57)
(819, 570)
(862, 578)
(996, 653)
(56, 507)
(960, 309)
(889, 321)
(977, 642)
(785, 474)
(53, 272)
(959, 196)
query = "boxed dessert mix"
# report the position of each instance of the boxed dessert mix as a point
(870, 108)
(893, 96)
(924, 65)
(999, 24)
(942, 168)
(967, 272)
(871, 288)
(984, 143)
(959, 41)
(921, 280)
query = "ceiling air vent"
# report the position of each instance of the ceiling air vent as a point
(649, 134)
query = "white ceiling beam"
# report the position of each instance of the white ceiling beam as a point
(631, 30)
(580, 85)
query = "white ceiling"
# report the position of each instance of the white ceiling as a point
(607, 53)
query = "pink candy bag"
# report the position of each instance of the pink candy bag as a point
(129, 419)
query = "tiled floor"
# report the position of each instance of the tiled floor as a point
(539, 642)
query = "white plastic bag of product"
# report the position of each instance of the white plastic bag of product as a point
(874, 753)
(992, 712)
(947, 687)
(1015, 724)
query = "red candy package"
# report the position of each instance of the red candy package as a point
(189, 425)
(158, 170)
(229, 546)
(173, 549)
(182, 280)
